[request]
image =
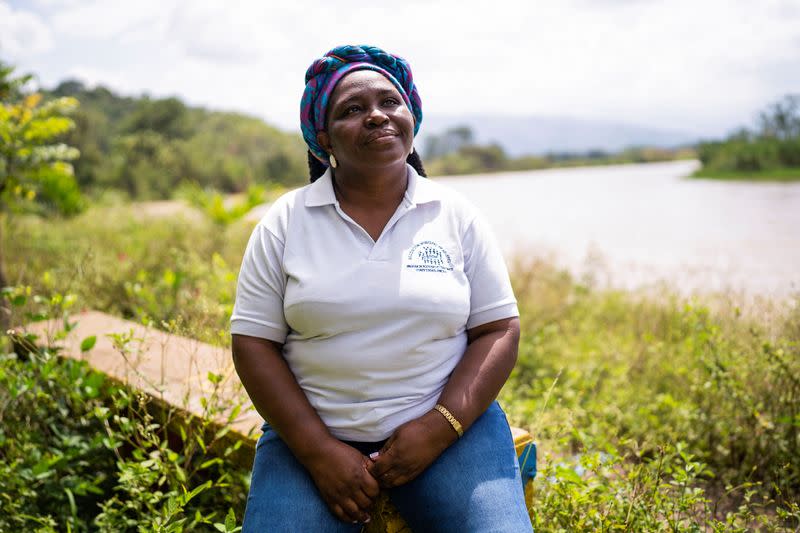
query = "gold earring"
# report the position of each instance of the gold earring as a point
(332, 161)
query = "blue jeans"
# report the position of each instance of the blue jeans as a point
(474, 486)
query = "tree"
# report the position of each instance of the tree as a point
(34, 168)
(782, 118)
(448, 142)
(168, 117)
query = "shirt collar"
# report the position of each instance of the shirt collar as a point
(419, 190)
(321, 191)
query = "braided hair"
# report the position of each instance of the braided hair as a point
(316, 169)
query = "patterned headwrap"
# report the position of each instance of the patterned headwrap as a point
(324, 73)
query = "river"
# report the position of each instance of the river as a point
(639, 225)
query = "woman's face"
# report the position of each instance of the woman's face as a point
(368, 123)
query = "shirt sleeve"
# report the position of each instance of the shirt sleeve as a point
(258, 309)
(491, 295)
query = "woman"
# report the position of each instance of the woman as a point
(374, 325)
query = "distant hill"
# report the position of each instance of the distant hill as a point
(537, 135)
(148, 147)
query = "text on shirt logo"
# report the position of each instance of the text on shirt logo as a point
(428, 256)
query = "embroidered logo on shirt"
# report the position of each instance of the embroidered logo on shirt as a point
(428, 256)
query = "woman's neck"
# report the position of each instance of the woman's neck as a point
(382, 188)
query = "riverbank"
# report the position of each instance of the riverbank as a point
(491, 160)
(652, 411)
(781, 175)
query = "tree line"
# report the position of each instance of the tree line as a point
(456, 151)
(147, 147)
(770, 147)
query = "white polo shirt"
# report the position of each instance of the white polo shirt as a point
(371, 330)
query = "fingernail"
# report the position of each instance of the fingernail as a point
(367, 520)
(373, 455)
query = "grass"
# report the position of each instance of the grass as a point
(783, 175)
(618, 386)
(653, 412)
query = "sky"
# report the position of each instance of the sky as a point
(700, 66)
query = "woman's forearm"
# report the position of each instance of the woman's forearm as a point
(482, 371)
(473, 385)
(277, 396)
(339, 471)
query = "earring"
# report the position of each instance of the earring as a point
(412, 150)
(332, 161)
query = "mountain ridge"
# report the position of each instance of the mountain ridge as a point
(542, 134)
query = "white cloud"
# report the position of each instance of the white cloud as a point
(681, 64)
(219, 33)
(93, 77)
(22, 33)
(49, 4)
(99, 19)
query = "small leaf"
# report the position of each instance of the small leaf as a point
(32, 100)
(88, 343)
(568, 475)
(230, 520)
(210, 462)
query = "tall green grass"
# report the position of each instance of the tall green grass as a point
(653, 412)
(629, 393)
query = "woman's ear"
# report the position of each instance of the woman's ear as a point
(324, 140)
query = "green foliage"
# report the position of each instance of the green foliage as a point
(223, 212)
(455, 152)
(471, 159)
(180, 270)
(771, 152)
(781, 119)
(605, 491)
(147, 147)
(643, 381)
(451, 141)
(32, 164)
(83, 453)
(169, 118)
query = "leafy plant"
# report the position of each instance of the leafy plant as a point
(81, 452)
(32, 163)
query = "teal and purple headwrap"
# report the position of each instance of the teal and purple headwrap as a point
(324, 73)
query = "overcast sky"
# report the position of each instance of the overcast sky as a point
(700, 66)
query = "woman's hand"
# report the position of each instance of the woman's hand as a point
(338, 470)
(340, 473)
(411, 449)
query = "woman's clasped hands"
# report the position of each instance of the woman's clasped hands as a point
(413, 447)
(341, 474)
(350, 482)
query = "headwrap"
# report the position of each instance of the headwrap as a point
(324, 73)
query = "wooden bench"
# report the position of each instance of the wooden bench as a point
(174, 372)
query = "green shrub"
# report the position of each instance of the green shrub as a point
(150, 269)
(765, 152)
(83, 453)
(635, 376)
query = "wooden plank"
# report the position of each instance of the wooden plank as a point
(171, 369)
